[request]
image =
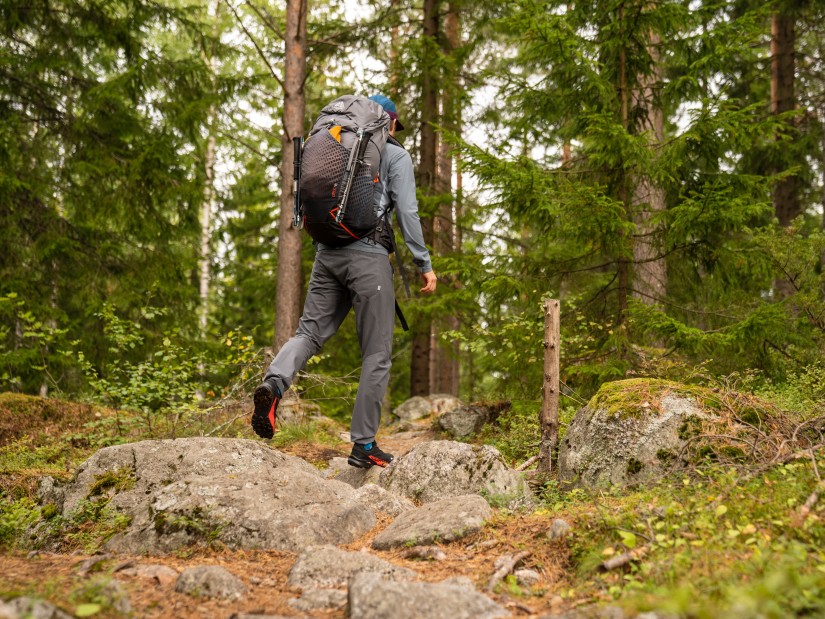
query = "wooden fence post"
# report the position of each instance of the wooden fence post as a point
(549, 418)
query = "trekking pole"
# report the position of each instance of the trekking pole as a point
(356, 159)
(297, 145)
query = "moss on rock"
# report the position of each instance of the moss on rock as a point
(636, 397)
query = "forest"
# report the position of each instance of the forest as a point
(657, 166)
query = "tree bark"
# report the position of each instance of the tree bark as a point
(622, 263)
(783, 39)
(207, 207)
(422, 326)
(444, 373)
(289, 279)
(649, 268)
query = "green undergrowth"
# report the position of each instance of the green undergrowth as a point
(720, 542)
(516, 433)
(323, 432)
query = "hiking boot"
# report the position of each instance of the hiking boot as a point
(266, 400)
(364, 458)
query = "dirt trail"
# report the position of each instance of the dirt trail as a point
(57, 577)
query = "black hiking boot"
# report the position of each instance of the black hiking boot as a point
(365, 458)
(266, 400)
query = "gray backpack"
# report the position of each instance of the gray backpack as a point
(338, 189)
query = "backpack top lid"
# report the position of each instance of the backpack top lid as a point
(354, 112)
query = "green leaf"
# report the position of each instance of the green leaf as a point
(628, 539)
(87, 610)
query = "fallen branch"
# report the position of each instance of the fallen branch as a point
(624, 558)
(814, 496)
(526, 464)
(506, 567)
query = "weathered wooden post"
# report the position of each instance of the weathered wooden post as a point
(549, 418)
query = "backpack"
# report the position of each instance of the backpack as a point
(336, 207)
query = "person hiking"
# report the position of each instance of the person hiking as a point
(358, 275)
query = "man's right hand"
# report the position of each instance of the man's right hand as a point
(430, 280)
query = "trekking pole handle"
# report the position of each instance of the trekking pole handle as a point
(349, 174)
(297, 146)
(362, 145)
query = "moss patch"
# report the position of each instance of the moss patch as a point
(636, 397)
(117, 481)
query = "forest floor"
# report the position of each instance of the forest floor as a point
(755, 549)
(51, 432)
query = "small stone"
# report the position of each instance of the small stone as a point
(254, 580)
(432, 553)
(328, 567)
(558, 529)
(319, 599)
(31, 608)
(526, 577)
(371, 597)
(446, 520)
(161, 574)
(210, 581)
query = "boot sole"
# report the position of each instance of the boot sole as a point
(367, 463)
(361, 464)
(263, 400)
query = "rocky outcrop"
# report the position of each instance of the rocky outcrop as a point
(383, 502)
(630, 431)
(239, 492)
(465, 421)
(371, 597)
(419, 407)
(442, 521)
(437, 470)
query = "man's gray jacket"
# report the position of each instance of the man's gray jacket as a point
(398, 180)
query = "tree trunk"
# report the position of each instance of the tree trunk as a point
(622, 266)
(649, 269)
(289, 280)
(785, 192)
(207, 206)
(444, 373)
(422, 326)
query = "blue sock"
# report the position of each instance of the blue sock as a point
(367, 446)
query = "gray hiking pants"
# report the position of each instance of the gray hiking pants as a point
(343, 279)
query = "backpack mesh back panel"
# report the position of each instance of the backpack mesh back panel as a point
(322, 171)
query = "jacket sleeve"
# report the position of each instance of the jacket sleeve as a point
(401, 190)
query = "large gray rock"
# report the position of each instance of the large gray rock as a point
(382, 501)
(442, 403)
(413, 409)
(371, 597)
(435, 470)
(328, 567)
(30, 608)
(239, 492)
(210, 581)
(354, 476)
(630, 431)
(465, 421)
(445, 521)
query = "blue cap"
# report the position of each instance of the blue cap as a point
(389, 108)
